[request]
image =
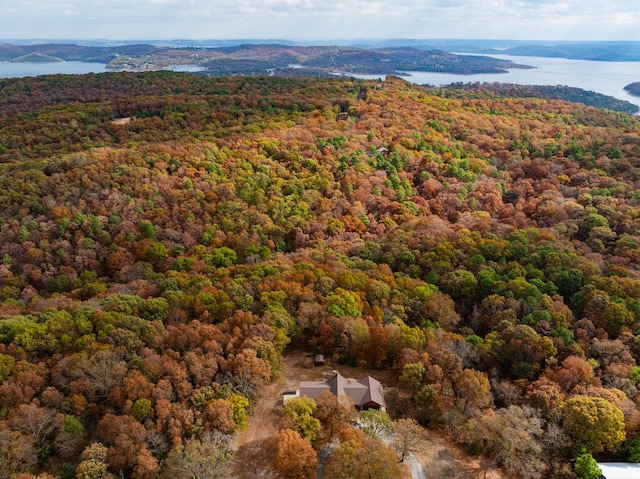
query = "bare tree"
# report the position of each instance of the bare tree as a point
(510, 438)
(205, 458)
(101, 373)
(407, 437)
(38, 422)
(17, 452)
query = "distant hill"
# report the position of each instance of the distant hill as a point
(72, 52)
(600, 51)
(266, 58)
(36, 58)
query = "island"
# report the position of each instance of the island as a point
(633, 88)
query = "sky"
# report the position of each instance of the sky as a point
(321, 19)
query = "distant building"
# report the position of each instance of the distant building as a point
(366, 393)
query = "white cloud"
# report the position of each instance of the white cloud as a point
(298, 19)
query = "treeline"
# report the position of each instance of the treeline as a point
(154, 269)
(550, 92)
(79, 53)
(591, 51)
(393, 60)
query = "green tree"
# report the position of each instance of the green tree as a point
(222, 257)
(592, 220)
(569, 282)
(412, 376)
(375, 423)
(586, 467)
(634, 375)
(146, 229)
(301, 411)
(632, 448)
(343, 302)
(6, 365)
(157, 254)
(614, 317)
(142, 409)
(460, 284)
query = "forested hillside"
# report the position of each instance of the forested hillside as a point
(164, 238)
(549, 92)
(263, 59)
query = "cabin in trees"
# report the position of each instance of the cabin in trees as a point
(366, 393)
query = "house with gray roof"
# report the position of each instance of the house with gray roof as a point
(366, 393)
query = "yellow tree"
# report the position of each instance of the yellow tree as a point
(368, 459)
(472, 388)
(300, 411)
(594, 422)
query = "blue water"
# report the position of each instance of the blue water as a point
(12, 70)
(608, 78)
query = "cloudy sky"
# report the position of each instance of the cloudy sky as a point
(321, 19)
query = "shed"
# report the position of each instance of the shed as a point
(319, 360)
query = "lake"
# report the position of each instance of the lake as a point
(13, 70)
(608, 78)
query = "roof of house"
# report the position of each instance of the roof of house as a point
(361, 391)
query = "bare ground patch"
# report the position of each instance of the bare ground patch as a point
(442, 459)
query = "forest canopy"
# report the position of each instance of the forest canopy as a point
(164, 238)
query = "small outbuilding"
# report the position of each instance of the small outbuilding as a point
(319, 360)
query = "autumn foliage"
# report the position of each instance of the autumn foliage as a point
(153, 271)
